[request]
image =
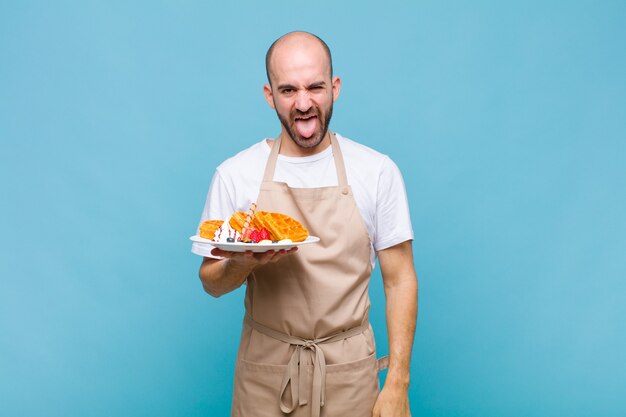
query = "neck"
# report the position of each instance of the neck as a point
(289, 148)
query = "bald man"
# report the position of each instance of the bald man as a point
(307, 348)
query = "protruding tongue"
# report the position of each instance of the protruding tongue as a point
(306, 128)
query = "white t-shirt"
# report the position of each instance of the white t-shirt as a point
(376, 183)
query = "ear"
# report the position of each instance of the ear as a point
(336, 83)
(269, 96)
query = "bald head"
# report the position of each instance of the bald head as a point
(296, 42)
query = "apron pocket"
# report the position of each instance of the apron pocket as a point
(351, 388)
(256, 389)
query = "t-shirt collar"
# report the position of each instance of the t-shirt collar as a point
(300, 159)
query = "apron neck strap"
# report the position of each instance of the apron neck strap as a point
(340, 166)
(270, 167)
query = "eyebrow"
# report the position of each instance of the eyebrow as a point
(312, 85)
(283, 86)
(317, 84)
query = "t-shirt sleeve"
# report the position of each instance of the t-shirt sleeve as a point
(218, 206)
(392, 218)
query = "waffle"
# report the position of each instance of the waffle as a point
(280, 226)
(208, 228)
(237, 220)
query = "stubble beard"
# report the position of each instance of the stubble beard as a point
(313, 141)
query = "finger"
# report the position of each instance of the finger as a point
(376, 409)
(282, 253)
(276, 255)
(265, 257)
(219, 252)
(226, 254)
(243, 258)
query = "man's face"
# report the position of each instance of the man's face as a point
(302, 93)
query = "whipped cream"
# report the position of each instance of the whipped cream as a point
(224, 232)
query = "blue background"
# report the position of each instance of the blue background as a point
(508, 120)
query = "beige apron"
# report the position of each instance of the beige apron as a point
(307, 348)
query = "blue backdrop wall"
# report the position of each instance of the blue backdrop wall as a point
(508, 120)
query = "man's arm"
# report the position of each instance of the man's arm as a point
(400, 283)
(221, 276)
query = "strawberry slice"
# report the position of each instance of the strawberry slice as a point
(265, 235)
(255, 236)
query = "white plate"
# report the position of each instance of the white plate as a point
(254, 247)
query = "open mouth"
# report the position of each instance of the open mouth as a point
(306, 125)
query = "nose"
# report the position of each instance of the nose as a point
(303, 101)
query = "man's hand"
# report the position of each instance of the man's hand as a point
(220, 276)
(249, 258)
(392, 402)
